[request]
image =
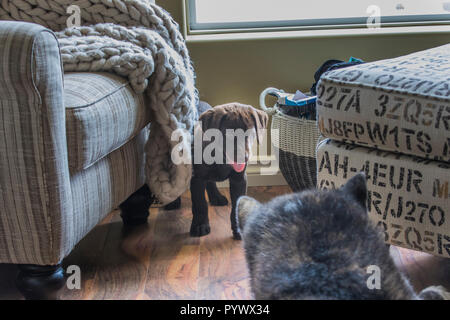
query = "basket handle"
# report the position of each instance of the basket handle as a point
(262, 99)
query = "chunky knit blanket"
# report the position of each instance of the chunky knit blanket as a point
(139, 40)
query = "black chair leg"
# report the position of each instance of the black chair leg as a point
(40, 282)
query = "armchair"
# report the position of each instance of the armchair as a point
(71, 150)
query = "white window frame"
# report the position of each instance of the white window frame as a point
(193, 28)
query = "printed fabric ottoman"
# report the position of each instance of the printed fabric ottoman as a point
(392, 118)
(407, 195)
(400, 104)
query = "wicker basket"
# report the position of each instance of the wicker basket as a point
(296, 145)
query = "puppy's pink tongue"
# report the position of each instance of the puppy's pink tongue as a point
(238, 167)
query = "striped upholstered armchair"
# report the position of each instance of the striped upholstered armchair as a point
(71, 150)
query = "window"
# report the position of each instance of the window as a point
(313, 14)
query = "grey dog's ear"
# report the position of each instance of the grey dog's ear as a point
(357, 187)
(434, 293)
(245, 205)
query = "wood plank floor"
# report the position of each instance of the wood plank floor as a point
(161, 261)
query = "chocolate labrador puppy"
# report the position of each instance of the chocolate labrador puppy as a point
(228, 164)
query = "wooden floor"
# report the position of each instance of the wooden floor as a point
(161, 261)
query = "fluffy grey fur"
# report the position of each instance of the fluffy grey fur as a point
(319, 245)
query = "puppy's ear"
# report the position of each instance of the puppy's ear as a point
(245, 205)
(260, 120)
(264, 120)
(204, 119)
(211, 119)
(357, 188)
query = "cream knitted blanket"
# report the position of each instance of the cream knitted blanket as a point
(139, 40)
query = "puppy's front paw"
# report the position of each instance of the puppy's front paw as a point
(174, 205)
(218, 201)
(200, 230)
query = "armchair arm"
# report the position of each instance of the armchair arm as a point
(35, 197)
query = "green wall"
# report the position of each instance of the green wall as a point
(239, 70)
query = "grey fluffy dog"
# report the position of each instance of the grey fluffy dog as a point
(320, 245)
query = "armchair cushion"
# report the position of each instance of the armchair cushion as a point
(102, 114)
